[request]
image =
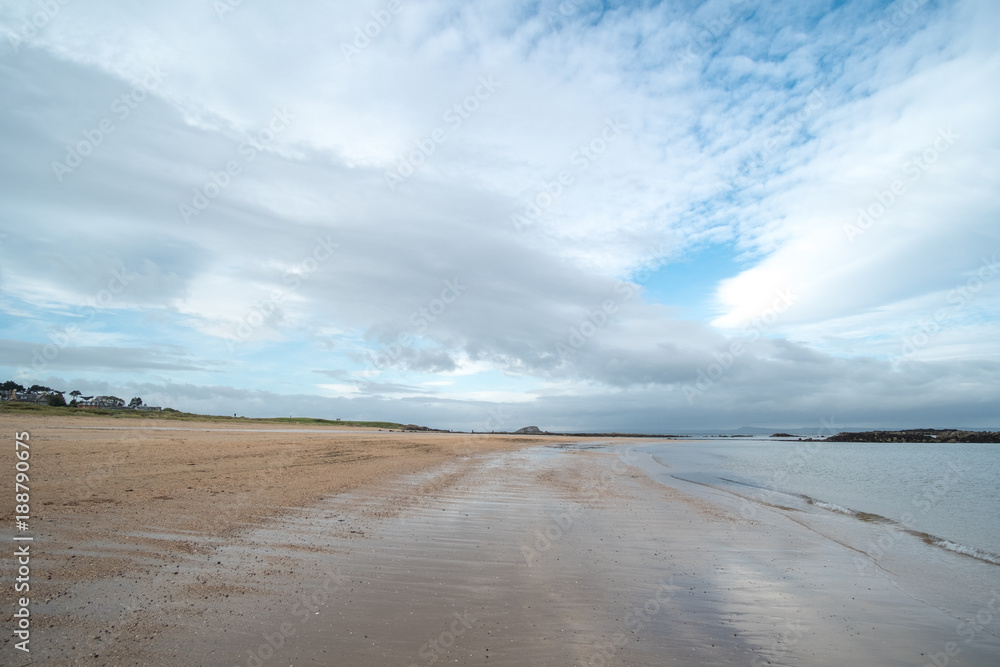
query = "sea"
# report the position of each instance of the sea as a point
(927, 515)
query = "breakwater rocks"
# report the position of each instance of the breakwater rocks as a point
(918, 435)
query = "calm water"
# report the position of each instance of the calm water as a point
(925, 515)
(948, 491)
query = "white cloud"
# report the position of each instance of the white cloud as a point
(767, 131)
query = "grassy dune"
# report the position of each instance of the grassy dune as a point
(168, 414)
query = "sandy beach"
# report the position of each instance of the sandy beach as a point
(194, 544)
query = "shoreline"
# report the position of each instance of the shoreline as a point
(425, 551)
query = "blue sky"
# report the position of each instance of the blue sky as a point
(688, 283)
(580, 215)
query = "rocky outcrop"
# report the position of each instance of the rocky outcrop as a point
(918, 435)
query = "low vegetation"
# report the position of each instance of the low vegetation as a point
(169, 414)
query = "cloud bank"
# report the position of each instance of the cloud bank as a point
(632, 216)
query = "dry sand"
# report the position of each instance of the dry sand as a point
(114, 503)
(197, 547)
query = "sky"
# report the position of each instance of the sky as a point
(580, 215)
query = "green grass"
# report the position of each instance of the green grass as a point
(322, 422)
(169, 414)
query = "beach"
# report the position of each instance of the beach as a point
(171, 543)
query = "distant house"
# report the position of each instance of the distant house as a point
(92, 402)
(103, 403)
(25, 396)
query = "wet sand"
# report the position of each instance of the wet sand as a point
(123, 511)
(418, 549)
